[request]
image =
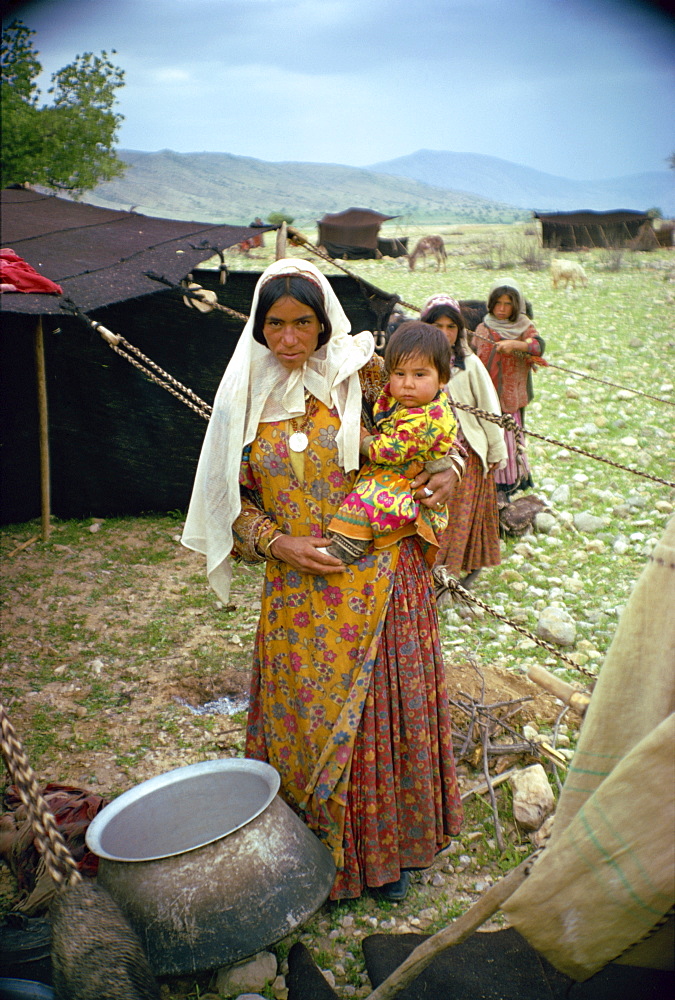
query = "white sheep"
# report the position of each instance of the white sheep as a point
(567, 272)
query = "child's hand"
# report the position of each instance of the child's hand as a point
(363, 433)
(509, 346)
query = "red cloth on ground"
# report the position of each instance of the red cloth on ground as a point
(73, 809)
(18, 276)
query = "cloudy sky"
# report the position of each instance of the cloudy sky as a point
(584, 89)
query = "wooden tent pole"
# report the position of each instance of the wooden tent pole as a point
(280, 250)
(43, 425)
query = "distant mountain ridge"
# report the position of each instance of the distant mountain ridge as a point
(427, 186)
(524, 187)
(221, 187)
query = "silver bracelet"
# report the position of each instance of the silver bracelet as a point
(266, 549)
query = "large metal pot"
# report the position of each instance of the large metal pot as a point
(209, 864)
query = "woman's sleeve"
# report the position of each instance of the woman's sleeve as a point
(253, 529)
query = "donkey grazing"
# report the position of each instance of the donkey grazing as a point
(429, 245)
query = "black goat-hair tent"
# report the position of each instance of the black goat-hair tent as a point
(119, 444)
(352, 234)
(587, 229)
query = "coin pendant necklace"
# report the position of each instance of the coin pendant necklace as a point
(298, 440)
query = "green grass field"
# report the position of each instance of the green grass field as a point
(104, 629)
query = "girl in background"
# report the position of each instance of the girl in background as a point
(471, 539)
(509, 346)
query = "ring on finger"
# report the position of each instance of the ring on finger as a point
(427, 492)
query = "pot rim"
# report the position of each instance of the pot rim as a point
(96, 828)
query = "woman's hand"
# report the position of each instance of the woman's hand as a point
(434, 491)
(301, 552)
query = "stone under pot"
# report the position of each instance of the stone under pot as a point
(209, 864)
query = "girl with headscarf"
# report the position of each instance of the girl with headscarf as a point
(348, 698)
(509, 346)
(471, 538)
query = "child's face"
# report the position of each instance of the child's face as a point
(503, 308)
(449, 328)
(414, 381)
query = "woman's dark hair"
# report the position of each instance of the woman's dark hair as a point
(296, 287)
(497, 293)
(415, 338)
(459, 347)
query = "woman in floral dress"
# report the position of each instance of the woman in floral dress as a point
(348, 698)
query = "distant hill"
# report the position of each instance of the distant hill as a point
(523, 187)
(219, 187)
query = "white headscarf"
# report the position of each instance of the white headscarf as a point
(509, 329)
(257, 388)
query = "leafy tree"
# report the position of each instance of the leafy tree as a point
(276, 218)
(67, 145)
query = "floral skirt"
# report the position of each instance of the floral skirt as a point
(471, 539)
(403, 802)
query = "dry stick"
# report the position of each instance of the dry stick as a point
(24, 545)
(58, 860)
(482, 788)
(535, 748)
(469, 732)
(493, 800)
(457, 932)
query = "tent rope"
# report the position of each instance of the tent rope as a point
(58, 860)
(593, 378)
(508, 423)
(125, 350)
(448, 584)
(199, 406)
(203, 297)
(204, 410)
